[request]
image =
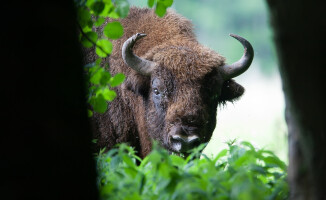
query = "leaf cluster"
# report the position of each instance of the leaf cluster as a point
(102, 83)
(239, 172)
(92, 13)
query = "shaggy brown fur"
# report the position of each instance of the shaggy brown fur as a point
(187, 78)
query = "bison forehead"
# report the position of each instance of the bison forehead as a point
(192, 61)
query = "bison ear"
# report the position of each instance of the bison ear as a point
(138, 84)
(231, 91)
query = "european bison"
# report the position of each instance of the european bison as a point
(173, 85)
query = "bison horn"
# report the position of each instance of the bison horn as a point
(237, 68)
(141, 65)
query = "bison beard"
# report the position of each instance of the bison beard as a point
(173, 85)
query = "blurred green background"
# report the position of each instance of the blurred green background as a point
(258, 116)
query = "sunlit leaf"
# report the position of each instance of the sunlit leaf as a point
(108, 8)
(99, 21)
(96, 76)
(113, 30)
(167, 3)
(117, 79)
(104, 48)
(108, 94)
(177, 160)
(150, 3)
(160, 9)
(128, 161)
(98, 103)
(89, 3)
(113, 15)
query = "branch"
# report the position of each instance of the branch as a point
(84, 34)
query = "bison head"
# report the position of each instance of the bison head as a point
(185, 83)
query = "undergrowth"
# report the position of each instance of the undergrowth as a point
(239, 172)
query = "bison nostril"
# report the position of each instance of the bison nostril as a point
(184, 143)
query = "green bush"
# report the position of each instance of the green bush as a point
(239, 172)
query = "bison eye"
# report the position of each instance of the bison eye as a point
(156, 92)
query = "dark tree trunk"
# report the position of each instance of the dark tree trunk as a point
(300, 31)
(45, 135)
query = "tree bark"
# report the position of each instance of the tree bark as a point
(299, 31)
(45, 135)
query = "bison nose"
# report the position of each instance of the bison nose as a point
(183, 143)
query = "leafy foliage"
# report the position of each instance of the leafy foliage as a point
(92, 13)
(239, 172)
(101, 81)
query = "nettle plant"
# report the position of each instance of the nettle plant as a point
(239, 172)
(92, 13)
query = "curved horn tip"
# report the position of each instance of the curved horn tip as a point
(139, 35)
(232, 35)
(239, 38)
(237, 68)
(141, 65)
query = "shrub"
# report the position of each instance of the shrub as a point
(239, 172)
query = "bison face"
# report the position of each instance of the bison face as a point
(181, 113)
(187, 82)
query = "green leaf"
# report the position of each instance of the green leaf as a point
(84, 17)
(97, 7)
(113, 15)
(248, 144)
(99, 21)
(167, 3)
(276, 161)
(160, 9)
(108, 8)
(150, 3)
(122, 8)
(89, 3)
(128, 161)
(98, 103)
(113, 30)
(117, 79)
(177, 161)
(222, 153)
(96, 76)
(108, 94)
(104, 48)
(89, 36)
(105, 78)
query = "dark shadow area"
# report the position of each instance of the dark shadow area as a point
(45, 134)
